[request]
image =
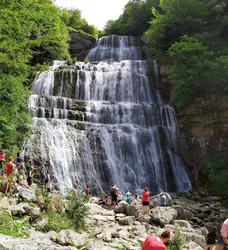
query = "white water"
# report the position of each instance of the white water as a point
(104, 122)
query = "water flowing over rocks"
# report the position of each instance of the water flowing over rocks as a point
(104, 122)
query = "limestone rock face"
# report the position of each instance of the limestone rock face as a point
(191, 245)
(80, 45)
(204, 129)
(9, 243)
(163, 215)
(27, 194)
(203, 124)
(69, 237)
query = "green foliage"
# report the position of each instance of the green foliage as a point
(57, 222)
(134, 20)
(217, 167)
(77, 210)
(13, 227)
(14, 116)
(73, 19)
(175, 19)
(31, 34)
(177, 241)
(195, 71)
(31, 31)
(43, 198)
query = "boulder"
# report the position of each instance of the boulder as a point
(132, 210)
(121, 207)
(183, 214)
(97, 209)
(128, 220)
(183, 223)
(163, 215)
(69, 237)
(20, 209)
(27, 194)
(35, 212)
(191, 246)
(195, 237)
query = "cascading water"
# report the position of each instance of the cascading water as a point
(103, 123)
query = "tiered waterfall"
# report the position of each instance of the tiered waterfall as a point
(103, 123)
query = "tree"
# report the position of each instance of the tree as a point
(191, 70)
(134, 20)
(174, 19)
(31, 33)
(73, 19)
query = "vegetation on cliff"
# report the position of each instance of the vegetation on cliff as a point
(32, 34)
(189, 34)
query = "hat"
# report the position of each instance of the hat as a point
(128, 193)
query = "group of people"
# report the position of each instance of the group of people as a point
(110, 199)
(16, 174)
(13, 173)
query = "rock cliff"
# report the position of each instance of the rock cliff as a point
(203, 126)
(80, 44)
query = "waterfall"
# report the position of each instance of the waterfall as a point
(104, 123)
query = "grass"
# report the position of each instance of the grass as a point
(56, 221)
(13, 227)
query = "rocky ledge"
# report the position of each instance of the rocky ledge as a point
(190, 215)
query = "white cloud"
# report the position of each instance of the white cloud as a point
(96, 12)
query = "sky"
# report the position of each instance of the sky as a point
(96, 12)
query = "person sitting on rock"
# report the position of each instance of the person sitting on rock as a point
(128, 199)
(222, 242)
(22, 180)
(120, 197)
(156, 243)
(136, 199)
(211, 239)
(163, 200)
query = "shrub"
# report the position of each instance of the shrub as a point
(13, 227)
(56, 222)
(177, 242)
(77, 210)
(43, 199)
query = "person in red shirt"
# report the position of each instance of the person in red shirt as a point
(145, 200)
(156, 243)
(2, 159)
(9, 172)
(9, 166)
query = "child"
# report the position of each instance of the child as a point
(211, 239)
